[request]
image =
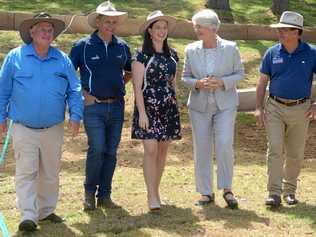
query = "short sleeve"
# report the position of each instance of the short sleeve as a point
(140, 57)
(265, 66)
(314, 59)
(174, 54)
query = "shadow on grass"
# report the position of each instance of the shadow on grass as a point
(48, 229)
(119, 221)
(234, 219)
(302, 211)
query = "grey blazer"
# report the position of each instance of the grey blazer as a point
(228, 67)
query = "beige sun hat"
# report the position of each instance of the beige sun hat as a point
(106, 9)
(290, 19)
(157, 16)
(27, 24)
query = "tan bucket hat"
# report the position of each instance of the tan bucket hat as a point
(156, 16)
(106, 9)
(27, 24)
(290, 19)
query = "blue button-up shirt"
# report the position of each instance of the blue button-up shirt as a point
(102, 65)
(34, 91)
(291, 75)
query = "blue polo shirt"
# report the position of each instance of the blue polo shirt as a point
(34, 90)
(291, 75)
(102, 65)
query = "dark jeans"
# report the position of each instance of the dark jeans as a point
(103, 124)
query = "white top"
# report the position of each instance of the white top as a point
(209, 57)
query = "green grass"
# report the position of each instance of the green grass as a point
(249, 11)
(180, 217)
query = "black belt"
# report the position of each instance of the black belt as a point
(35, 128)
(288, 103)
(107, 100)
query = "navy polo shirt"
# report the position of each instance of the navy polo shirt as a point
(102, 65)
(291, 75)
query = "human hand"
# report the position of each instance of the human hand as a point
(88, 99)
(143, 121)
(74, 127)
(3, 129)
(209, 83)
(259, 114)
(216, 83)
(311, 112)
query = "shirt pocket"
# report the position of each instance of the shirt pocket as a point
(22, 76)
(22, 79)
(58, 83)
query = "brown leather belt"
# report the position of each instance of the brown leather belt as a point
(107, 100)
(288, 103)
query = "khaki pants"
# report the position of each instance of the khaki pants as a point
(37, 153)
(286, 128)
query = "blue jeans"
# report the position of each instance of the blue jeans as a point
(103, 124)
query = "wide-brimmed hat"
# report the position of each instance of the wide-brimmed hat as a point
(291, 20)
(106, 9)
(158, 16)
(27, 24)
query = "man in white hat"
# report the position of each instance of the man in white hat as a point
(36, 82)
(288, 67)
(104, 61)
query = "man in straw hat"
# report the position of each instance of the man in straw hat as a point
(288, 67)
(104, 61)
(36, 81)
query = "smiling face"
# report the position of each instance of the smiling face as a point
(106, 25)
(158, 31)
(288, 34)
(204, 33)
(42, 34)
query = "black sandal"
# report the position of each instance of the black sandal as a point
(209, 199)
(231, 202)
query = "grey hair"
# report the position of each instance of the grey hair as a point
(207, 18)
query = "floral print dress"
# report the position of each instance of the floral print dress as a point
(159, 98)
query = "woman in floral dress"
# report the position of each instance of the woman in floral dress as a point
(156, 118)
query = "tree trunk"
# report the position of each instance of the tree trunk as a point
(279, 6)
(218, 4)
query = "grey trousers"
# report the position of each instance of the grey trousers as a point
(37, 153)
(213, 129)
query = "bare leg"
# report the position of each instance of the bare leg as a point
(161, 162)
(150, 172)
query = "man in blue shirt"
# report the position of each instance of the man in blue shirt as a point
(102, 59)
(288, 67)
(36, 81)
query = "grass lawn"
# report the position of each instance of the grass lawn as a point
(180, 217)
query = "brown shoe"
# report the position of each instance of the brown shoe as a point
(53, 218)
(106, 203)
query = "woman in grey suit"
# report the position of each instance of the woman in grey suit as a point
(212, 69)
